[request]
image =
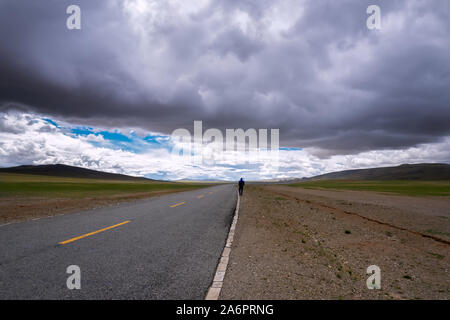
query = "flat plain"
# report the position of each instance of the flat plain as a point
(25, 196)
(405, 187)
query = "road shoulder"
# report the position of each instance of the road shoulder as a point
(290, 249)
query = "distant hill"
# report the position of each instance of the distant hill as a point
(61, 170)
(422, 171)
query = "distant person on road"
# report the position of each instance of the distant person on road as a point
(241, 186)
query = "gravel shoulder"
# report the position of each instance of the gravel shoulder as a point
(294, 243)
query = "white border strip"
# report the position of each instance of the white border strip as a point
(216, 286)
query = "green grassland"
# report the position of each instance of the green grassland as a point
(404, 187)
(23, 185)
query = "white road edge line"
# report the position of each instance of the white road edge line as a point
(216, 286)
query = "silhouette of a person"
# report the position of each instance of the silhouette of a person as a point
(241, 186)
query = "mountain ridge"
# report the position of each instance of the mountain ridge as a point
(66, 171)
(419, 171)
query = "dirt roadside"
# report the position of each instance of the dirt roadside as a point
(291, 243)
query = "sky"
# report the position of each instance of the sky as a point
(108, 96)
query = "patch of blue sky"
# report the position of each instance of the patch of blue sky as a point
(290, 149)
(127, 142)
(157, 139)
(114, 136)
(107, 135)
(82, 131)
(51, 122)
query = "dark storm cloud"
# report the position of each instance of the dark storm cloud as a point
(321, 77)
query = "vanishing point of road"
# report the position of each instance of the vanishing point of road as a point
(164, 247)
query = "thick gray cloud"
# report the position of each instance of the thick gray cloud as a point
(310, 68)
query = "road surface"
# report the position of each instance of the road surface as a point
(165, 247)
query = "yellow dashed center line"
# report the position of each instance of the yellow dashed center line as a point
(92, 233)
(178, 204)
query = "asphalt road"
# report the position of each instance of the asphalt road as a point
(165, 247)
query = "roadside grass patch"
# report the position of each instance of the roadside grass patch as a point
(18, 185)
(403, 187)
